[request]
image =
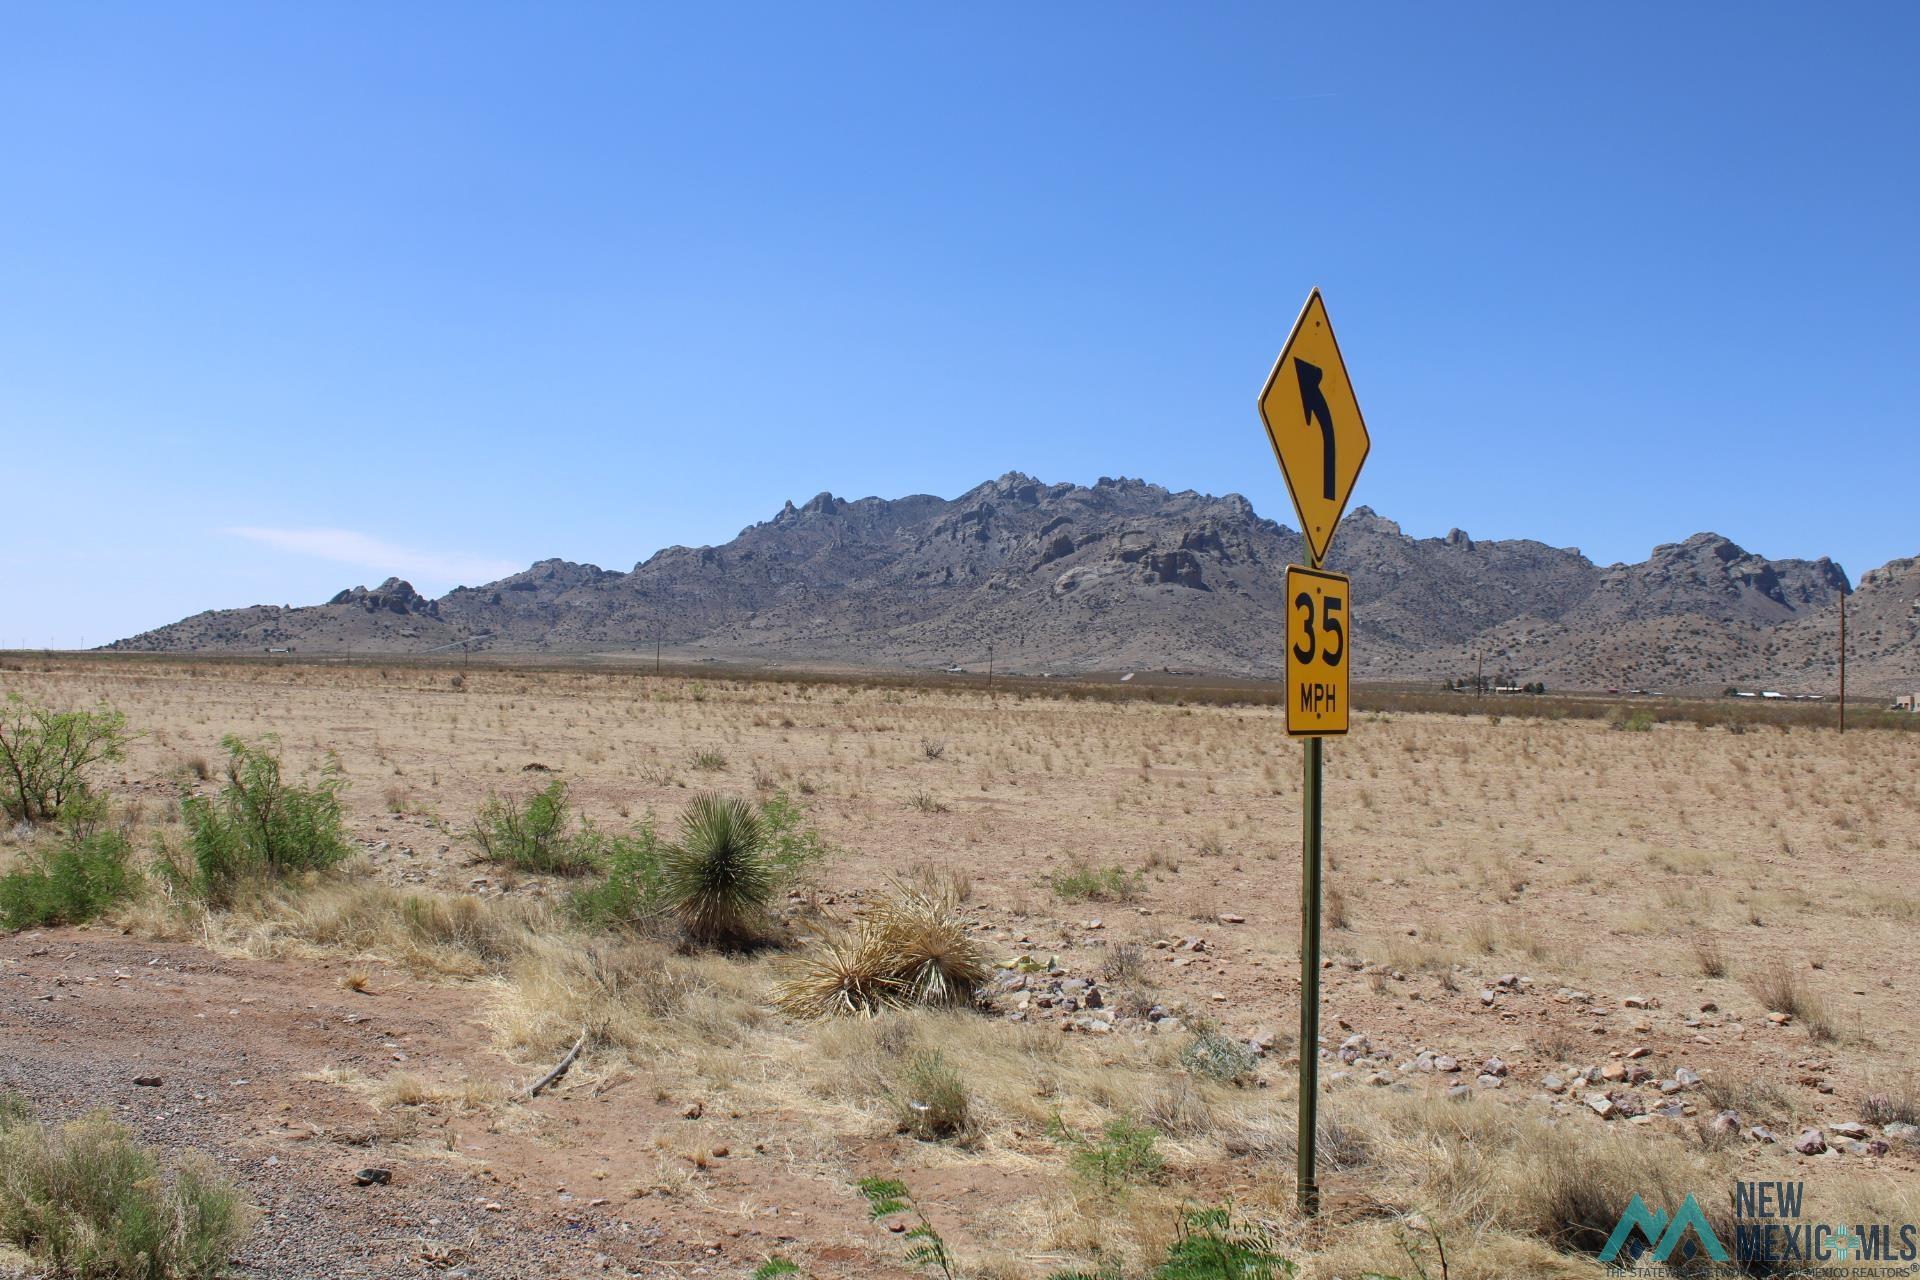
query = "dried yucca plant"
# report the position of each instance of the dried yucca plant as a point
(848, 973)
(932, 953)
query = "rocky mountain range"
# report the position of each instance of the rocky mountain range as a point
(1126, 575)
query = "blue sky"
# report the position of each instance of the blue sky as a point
(292, 297)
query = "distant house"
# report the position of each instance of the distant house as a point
(1907, 702)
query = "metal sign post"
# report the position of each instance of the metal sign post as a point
(1320, 441)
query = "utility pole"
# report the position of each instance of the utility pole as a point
(1479, 681)
(990, 668)
(656, 650)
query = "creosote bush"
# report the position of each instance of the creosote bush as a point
(260, 826)
(85, 1199)
(45, 755)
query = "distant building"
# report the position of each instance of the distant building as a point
(1907, 702)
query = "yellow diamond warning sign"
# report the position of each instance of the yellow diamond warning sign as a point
(1314, 425)
(1318, 629)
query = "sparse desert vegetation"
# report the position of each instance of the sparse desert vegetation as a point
(1023, 966)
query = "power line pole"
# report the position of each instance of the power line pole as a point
(989, 668)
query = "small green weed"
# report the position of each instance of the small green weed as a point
(886, 1197)
(1083, 882)
(1123, 1154)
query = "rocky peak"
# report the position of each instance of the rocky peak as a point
(394, 596)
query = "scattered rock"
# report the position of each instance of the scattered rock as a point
(149, 1082)
(1601, 1104)
(1811, 1142)
(1488, 1081)
(1640, 1002)
(1760, 1133)
(1900, 1131)
(1446, 1062)
(1638, 1051)
(1553, 1084)
(1686, 1077)
(373, 1177)
(1779, 1019)
(1228, 917)
(1494, 1067)
(1628, 1104)
(1726, 1123)
(1487, 996)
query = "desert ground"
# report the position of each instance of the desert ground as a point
(1558, 954)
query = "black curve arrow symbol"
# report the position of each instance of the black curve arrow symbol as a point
(1314, 401)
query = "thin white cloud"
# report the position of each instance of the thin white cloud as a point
(422, 568)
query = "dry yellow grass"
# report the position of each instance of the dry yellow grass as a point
(1683, 862)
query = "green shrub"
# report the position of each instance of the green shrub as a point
(1638, 720)
(1083, 882)
(633, 889)
(1218, 1057)
(1124, 1153)
(795, 846)
(260, 826)
(45, 755)
(534, 835)
(75, 881)
(86, 1200)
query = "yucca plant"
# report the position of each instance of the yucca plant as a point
(931, 950)
(849, 973)
(719, 876)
